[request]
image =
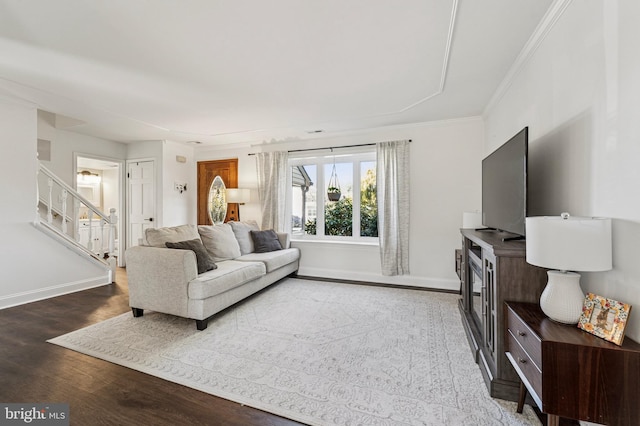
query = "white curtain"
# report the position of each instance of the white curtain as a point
(392, 180)
(272, 188)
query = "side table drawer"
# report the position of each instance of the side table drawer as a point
(525, 364)
(527, 340)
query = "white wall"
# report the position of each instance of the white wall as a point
(65, 143)
(18, 147)
(178, 208)
(33, 265)
(579, 94)
(110, 193)
(445, 182)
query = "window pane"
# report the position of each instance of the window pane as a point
(368, 200)
(303, 200)
(338, 210)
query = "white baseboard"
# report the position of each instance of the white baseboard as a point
(407, 280)
(53, 291)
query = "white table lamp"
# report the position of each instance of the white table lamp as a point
(471, 220)
(567, 244)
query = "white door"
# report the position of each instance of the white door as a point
(141, 205)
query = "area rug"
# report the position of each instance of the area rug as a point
(320, 353)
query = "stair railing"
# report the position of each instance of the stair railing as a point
(54, 197)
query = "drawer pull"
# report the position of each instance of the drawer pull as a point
(522, 361)
(521, 333)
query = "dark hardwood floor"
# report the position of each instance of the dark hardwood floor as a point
(98, 392)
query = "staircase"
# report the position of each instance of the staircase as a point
(72, 219)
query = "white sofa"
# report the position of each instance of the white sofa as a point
(166, 280)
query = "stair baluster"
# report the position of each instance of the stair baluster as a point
(64, 211)
(50, 204)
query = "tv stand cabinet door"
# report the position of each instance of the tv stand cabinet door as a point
(489, 305)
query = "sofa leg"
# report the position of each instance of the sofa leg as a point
(137, 312)
(202, 324)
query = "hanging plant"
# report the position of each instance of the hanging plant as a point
(333, 193)
(333, 190)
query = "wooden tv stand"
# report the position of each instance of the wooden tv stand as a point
(502, 274)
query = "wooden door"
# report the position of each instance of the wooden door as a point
(207, 171)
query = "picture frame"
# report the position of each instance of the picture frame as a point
(605, 318)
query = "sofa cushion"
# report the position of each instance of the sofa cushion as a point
(242, 232)
(228, 275)
(220, 241)
(274, 259)
(205, 263)
(265, 241)
(157, 237)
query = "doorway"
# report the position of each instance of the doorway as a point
(141, 195)
(207, 171)
(99, 180)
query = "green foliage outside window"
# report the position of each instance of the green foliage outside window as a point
(368, 205)
(338, 215)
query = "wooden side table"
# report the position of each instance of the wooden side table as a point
(570, 373)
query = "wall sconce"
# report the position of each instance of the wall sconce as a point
(238, 196)
(180, 187)
(87, 178)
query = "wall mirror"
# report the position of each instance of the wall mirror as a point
(217, 204)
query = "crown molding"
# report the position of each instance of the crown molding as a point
(361, 132)
(547, 22)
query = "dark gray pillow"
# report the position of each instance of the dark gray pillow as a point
(265, 241)
(205, 263)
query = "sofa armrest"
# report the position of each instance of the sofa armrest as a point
(159, 278)
(285, 240)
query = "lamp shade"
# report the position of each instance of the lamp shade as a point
(569, 243)
(238, 195)
(471, 220)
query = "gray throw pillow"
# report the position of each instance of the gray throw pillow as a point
(156, 237)
(265, 241)
(219, 241)
(241, 231)
(205, 263)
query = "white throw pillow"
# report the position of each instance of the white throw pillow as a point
(242, 231)
(157, 237)
(220, 241)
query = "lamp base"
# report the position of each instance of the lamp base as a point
(562, 298)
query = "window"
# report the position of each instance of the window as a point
(334, 197)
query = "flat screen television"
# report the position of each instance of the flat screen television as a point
(504, 185)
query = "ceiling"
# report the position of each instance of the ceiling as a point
(251, 71)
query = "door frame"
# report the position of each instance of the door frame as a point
(122, 193)
(202, 218)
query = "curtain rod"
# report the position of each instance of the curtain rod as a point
(328, 147)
